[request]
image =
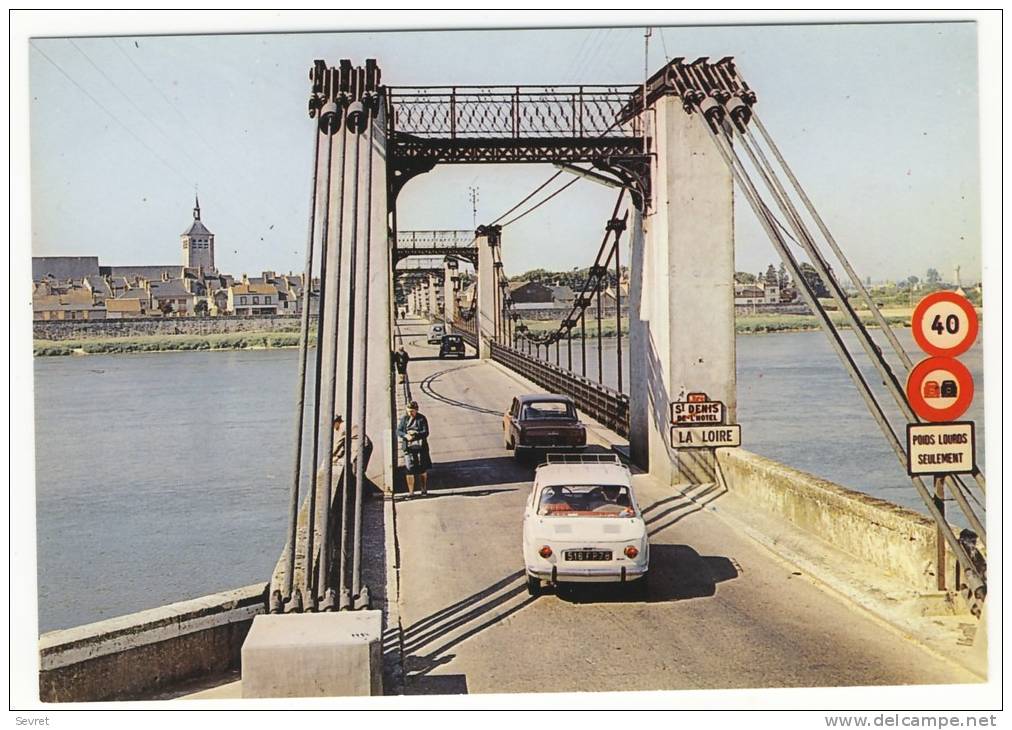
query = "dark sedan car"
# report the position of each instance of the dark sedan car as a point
(543, 421)
(451, 345)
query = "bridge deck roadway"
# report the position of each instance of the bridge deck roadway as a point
(720, 611)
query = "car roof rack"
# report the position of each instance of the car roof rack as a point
(582, 459)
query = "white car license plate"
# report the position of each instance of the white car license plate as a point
(581, 555)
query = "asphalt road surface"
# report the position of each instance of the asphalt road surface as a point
(720, 612)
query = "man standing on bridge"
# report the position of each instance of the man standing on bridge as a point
(413, 431)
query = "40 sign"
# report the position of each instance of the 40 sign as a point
(944, 324)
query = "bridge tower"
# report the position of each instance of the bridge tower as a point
(359, 210)
(681, 292)
(433, 288)
(450, 278)
(485, 313)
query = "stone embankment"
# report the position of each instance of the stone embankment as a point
(57, 330)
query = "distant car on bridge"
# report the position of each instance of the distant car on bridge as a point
(436, 333)
(451, 345)
(582, 524)
(542, 421)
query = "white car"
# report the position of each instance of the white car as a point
(436, 333)
(582, 524)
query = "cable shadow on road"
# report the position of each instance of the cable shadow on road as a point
(427, 389)
(481, 472)
(426, 642)
(693, 503)
(677, 573)
(660, 502)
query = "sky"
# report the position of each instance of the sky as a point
(879, 122)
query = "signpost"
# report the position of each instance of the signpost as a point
(939, 390)
(697, 408)
(709, 437)
(698, 423)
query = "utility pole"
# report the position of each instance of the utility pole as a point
(472, 193)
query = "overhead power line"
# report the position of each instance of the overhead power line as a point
(172, 105)
(134, 104)
(112, 116)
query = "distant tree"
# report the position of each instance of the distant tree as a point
(200, 308)
(912, 281)
(743, 277)
(784, 280)
(933, 277)
(165, 306)
(771, 276)
(815, 282)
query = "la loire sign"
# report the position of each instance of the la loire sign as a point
(705, 437)
(697, 408)
(698, 423)
(940, 448)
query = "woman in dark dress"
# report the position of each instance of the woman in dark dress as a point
(413, 431)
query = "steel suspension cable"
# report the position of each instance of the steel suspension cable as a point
(300, 398)
(855, 279)
(889, 378)
(534, 208)
(309, 591)
(328, 346)
(362, 350)
(343, 596)
(618, 315)
(726, 151)
(537, 190)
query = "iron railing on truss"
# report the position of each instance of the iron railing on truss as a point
(455, 244)
(513, 112)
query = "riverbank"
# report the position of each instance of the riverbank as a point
(169, 343)
(749, 324)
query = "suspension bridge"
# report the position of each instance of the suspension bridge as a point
(446, 611)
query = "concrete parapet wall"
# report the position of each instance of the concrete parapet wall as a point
(136, 656)
(893, 538)
(87, 329)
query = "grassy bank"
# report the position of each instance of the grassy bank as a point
(168, 343)
(744, 324)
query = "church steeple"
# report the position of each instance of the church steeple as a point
(198, 242)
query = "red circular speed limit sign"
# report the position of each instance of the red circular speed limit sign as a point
(944, 324)
(939, 389)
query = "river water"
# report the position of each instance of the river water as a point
(165, 476)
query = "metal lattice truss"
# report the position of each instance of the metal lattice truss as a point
(511, 112)
(515, 124)
(455, 244)
(421, 267)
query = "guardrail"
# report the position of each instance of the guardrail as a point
(606, 406)
(466, 329)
